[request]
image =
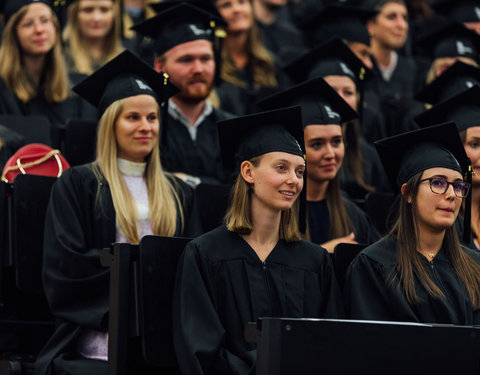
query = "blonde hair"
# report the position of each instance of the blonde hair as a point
(431, 75)
(260, 59)
(164, 202)
(54, 82)
(239, 215)
(79, 52)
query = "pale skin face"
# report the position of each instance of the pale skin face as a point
(472, 148)
(437, 212)
(191, 67)
(136, 129)
(363, 52)
(36, 31)
(95, 18)
(345, 87)
(443, 63)
(237, 13)
(390, 27)
(277, 180)
(324, 151)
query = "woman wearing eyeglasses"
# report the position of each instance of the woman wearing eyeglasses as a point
(420, 272)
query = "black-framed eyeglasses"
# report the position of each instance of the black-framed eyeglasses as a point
(439, 185)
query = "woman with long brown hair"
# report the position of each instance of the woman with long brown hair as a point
(420, 272)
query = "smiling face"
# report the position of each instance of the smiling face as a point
(390, 26)
(191, 67)
(472, 148)
(237, 13)
(437, 212)
(276, 181)
(136, 128)
(345, 87)
(36, 31)
(95, 18)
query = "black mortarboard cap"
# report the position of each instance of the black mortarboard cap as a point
(320, 103)
(11, 7)
(407, 154)
(463, 109)
(330, 58)
(245, 137)
(124, 76)
(179, 24)
(450, 39)
(459, 10)
(454, 80)
(344, 21)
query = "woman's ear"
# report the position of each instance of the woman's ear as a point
(402, 189)
(246, 170)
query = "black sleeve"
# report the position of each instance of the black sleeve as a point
(366, 295)
(199, 336)
(75, 283)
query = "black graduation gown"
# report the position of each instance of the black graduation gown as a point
(369, 295)
(222, 284)
(200, 158)
(58, 113)
(75, 283)
(319, 222)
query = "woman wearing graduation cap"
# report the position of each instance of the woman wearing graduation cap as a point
(120, 197)
(256, 264)
(33, 75)
(92, 34)
(420, 272)
(332, 217)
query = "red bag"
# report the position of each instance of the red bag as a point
(37, 159)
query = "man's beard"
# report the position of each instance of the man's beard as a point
(193, 95)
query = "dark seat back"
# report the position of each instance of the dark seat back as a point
(79, 141)
(212, 201)
(343, 255)
(141, 286)
(35, 128)
(381, 209)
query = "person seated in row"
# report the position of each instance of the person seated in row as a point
(91, 35)
(332, 217)
(420, 272)
(121, 197)
(256, 264)
(184, 49)
(33, 74)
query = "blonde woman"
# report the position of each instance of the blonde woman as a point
(257, 264)
(246, 65)
(33, 75)
(121, 197)
(92, 34)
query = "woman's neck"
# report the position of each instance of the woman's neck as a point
(236, 45)
(34, 66)
(382, 54)
(430, 242)
(95, 47)
(265, 233)
(316, 191)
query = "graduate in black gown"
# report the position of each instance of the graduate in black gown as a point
(257, 264)
(33, 74)
(185, 48)
(332, 217)
(338, 65)
(420, 272)
(120, 197)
